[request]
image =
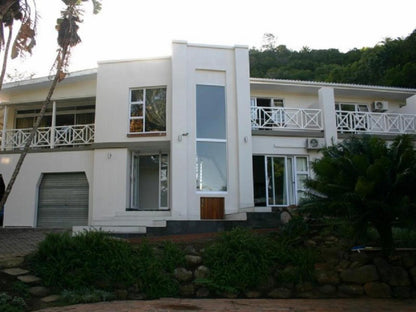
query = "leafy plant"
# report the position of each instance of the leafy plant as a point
(366, 182)
(238, 260)
(11, 304)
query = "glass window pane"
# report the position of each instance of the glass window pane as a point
(276, 177)
(301, 164)
(136, 110)
(164, 181)
(156, 109)
(85, 119)
(211, 170)
(301, 178)
(210, 112)
(136, 96)
(136, 125)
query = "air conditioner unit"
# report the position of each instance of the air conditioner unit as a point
(380, 106)
(315, 143)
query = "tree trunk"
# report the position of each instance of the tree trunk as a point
(57, 78)
(6, 55)
(385, 231)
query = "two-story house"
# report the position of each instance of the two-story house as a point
(135, 143)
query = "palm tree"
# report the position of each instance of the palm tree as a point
(367, 182)
(67, 27)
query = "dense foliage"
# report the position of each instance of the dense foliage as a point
(366, 181)
(239, 260)
(390, 63)
(93, 260)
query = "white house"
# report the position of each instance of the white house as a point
(135, 143)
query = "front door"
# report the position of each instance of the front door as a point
(150, 189)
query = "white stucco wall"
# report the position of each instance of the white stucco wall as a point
(197, 64)
(21, 207)
(114, 81)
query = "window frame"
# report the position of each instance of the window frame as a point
(211, 140)
(143, 115)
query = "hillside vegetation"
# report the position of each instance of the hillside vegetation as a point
(390, 63)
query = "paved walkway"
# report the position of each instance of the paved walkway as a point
(245, 305)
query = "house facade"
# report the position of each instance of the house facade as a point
(135, 143)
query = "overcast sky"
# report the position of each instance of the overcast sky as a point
(146, 28)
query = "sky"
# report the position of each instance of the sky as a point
(129, 29)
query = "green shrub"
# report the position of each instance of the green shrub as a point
(88, 259)
(94, 260)
(11, 304)
(238, 260)
(155, 269)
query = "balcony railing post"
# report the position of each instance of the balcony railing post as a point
(53, 125)
(4, 131)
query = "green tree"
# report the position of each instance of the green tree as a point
(368, 182)
(67, 27)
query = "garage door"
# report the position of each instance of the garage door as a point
(63, 200)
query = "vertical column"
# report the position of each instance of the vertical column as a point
(4, 131)
(180, 132)
(53, 125)
(327, 105)
(245, 152)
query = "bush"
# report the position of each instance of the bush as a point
(88, 259)
(238, 260)
(11, 304)
(94, 259)
(155, 269)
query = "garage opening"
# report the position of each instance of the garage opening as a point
(63, 200)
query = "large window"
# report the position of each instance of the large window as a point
(147, 110)
(279, 180)
(150, 187)
(211, 143)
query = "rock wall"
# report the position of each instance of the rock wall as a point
(337, 275)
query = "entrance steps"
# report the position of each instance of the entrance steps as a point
(158, 223)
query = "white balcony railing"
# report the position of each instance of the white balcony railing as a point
(388, 123)
(275, 118)
(50, 136)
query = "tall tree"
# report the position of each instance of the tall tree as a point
(67, 27)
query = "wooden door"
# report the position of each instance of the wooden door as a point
(212, 207)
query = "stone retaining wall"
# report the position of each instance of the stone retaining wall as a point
(340, 275)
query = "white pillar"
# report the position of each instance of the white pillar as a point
(4, 131)
(245, 158)
(327, 105)
(52, 138)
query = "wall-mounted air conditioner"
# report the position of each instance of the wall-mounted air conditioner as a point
(315, 143)
(380, 106)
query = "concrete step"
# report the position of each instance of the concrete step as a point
(111, 229)
(123, 221)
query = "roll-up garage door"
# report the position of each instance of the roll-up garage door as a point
(63, 200)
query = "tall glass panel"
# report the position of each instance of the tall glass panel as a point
(211, 168)
(210, 112)
(164, 181)
(276, 178)
(155, 109)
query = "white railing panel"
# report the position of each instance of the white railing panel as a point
(275, 118)
(64, 136)
(388, 123)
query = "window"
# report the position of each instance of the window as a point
(147, 110)
(211, 143)
(150, 187)
(279, 180)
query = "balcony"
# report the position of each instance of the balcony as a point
(282, 118)
(49, 137)
(377, 123)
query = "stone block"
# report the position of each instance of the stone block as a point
(39, 291)
(10, 262)
(377, 290)
(201, 272)
(51, 298)
(29, 279)
(351, 289)
(193, 260)
(360, 275)
(15, 271)
(182, 274)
